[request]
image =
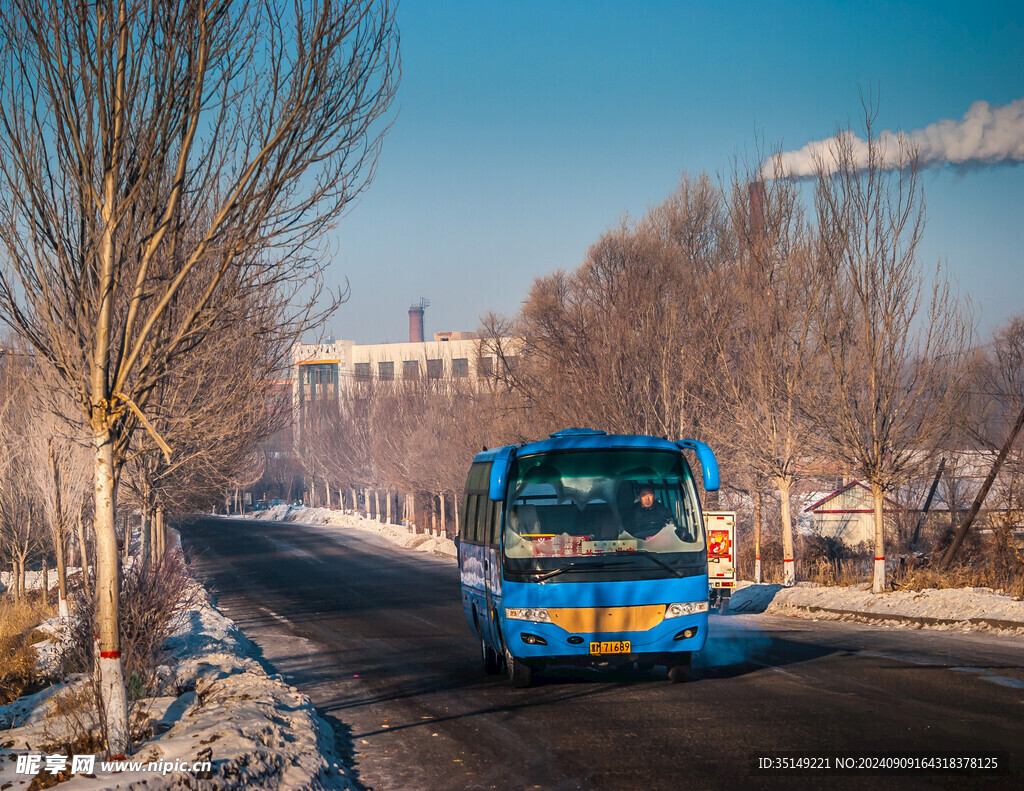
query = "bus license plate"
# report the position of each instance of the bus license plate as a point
(621, 647)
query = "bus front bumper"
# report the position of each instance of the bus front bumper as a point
(551, 644)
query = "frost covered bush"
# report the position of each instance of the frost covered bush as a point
(153, 597)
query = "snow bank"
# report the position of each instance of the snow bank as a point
(396, 534)
(948, 608)
(255, 729)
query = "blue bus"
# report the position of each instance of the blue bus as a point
(586, 548)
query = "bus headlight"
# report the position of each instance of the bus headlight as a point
(678, 609)
(527, 614)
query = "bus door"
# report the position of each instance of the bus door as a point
(492, 566)
(485, 528)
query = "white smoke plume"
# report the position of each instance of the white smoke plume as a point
(986, 135)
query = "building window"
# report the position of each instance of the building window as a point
(386, 370)
(411, 369)
(460, 367)
(486, 369)
(434, 369)
(362, 371)
(512, 364)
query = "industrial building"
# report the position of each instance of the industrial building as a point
(324, 372)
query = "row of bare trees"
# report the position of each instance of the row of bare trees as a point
(399, 449)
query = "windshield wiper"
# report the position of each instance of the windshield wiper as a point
(648, 554)
(572, 566)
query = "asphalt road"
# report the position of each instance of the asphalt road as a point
(374, 634)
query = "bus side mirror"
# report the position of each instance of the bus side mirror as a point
(708, 462)
(499, 473)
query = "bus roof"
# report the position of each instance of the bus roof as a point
(580, 439)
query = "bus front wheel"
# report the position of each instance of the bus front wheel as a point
(680, 671)
(519, 673)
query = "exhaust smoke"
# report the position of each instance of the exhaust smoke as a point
(986, 135)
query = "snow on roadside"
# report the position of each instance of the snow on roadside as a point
(948, 608)
(255, 729)
(396, 534)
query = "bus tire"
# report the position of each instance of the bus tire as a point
(489, 657)
(680, 671)
(519, 673)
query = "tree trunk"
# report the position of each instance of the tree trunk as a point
(46, 583)
(444, 521)
(58, 532)
(458, 527)
(62, 578)
(757, 535)
(390, 498)
(84, 552)
(111, 675)
(376, 504)
(878, 578)
(961, 532)
(161, 532)
(788, 564)
(146, 553)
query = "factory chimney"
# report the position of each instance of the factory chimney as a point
(416, 320)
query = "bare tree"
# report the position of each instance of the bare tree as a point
(765, 340)
(62, 473)
(1001, 379)
(890, 335)
(619, 343)
(147, 146)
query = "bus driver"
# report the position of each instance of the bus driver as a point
(649, 515)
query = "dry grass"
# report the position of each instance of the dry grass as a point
(839, 573)
(17, 633)
(995, 576)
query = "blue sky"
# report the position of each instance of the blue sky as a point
(525, 129)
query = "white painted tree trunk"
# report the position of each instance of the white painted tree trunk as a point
(757, 536)
(444, 520)
(111, 677)
(788, 562)
(878, 578)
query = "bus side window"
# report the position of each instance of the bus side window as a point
(495, 523)
(463, 513)
(470, 519)
(483, 519)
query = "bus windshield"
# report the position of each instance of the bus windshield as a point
(578, 504)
